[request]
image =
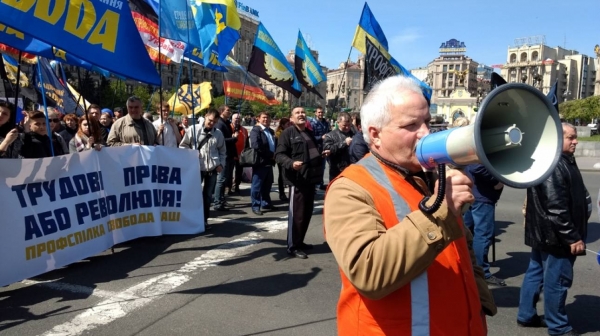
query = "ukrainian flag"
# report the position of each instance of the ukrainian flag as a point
(368, 26)
(218, 25)
(11, 67)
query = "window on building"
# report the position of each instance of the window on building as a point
(534, 56)
(524, 57)
(451, 67)
(445, 68)
(458, 67)
(169, 80)
(513, 58)
(204, 74)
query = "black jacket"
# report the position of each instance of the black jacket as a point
(483, 184)
(292, 147)
(225, 127)
(557, 210)
(37, 146)
(358, 148)
(260, 143)
(335, 141)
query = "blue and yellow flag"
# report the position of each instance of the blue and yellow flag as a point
(268, 62)
(99, 32)
(307, 69)
(11, 67)
(218, 25)
(369, 27)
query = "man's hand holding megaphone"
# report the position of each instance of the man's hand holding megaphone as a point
(458, 191)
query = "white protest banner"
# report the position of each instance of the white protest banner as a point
(56, 211)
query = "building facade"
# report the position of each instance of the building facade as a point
(532, 62)
(420, 73)
(346, 83)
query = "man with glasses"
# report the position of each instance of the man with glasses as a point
(56, 127)
(132, 129)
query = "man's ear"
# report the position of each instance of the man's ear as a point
(374, 135)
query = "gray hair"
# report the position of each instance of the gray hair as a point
(566, 124)
(375, 111)
(133, 99)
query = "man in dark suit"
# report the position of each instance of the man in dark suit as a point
(262, 140)
(224, 125)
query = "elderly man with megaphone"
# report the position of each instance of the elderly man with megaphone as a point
(405, 259)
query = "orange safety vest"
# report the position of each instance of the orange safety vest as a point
(442, 301)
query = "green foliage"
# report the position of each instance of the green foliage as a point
(583, 109)
(592, 138)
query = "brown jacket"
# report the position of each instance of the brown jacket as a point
(125, 131)
(354, 226)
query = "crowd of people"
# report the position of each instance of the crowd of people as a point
(400, 266)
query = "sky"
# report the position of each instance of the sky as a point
(416, 29)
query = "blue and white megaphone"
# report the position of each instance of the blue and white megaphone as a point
(517, 136)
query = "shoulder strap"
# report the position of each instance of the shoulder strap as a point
(204, 141)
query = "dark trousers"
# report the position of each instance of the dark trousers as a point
(280, 185)
(219, 195)
(237, 175)
(302, 199)
(260, 191)
(209, 179)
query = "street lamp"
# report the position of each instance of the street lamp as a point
(566, 95)
(524, 78)
(480, 94)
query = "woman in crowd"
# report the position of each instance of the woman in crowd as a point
(283, 124)
(86, 136)
(10, 143)
(70, 127)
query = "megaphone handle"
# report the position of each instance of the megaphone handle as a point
(440, 195)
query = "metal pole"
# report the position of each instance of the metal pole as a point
(337, 97)
(13, 117)
(45, 106)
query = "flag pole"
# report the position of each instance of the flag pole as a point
(187, 15)
(160, 68)
(45, 106)
(177, 85)
(85, 109)
(114, 93)
(14, 115)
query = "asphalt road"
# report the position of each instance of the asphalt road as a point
(238, 280)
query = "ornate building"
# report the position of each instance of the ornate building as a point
(347, 82)
(532, 62)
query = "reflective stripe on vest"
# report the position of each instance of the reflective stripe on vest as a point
(419, 287)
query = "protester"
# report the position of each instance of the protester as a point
(71, 127)
(337, 142)
(262, 140)
(166, 128)
(212, 153)
(480, 218)
(10, 142)
(320, 127)
(241, 143)
(87, 137)
(404, 272)
(56, 127)
(358, 147)
(36, 143)
(118, 114)
(298, 154)
(283, 124)
(556, 219)
(132, 129)
(224, 125)
(106, 122)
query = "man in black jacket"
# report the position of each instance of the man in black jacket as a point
(555, 228)
(36, 143)
(262, 140)
(299, 156)
(224, 125)
(338, 142)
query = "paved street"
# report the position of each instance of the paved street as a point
(238, 280)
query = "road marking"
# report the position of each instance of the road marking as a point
(137, 296)
(77, 289)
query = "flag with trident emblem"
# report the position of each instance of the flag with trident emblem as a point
(199, 97)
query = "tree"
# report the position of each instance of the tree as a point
(141, 92)
(583, 109)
